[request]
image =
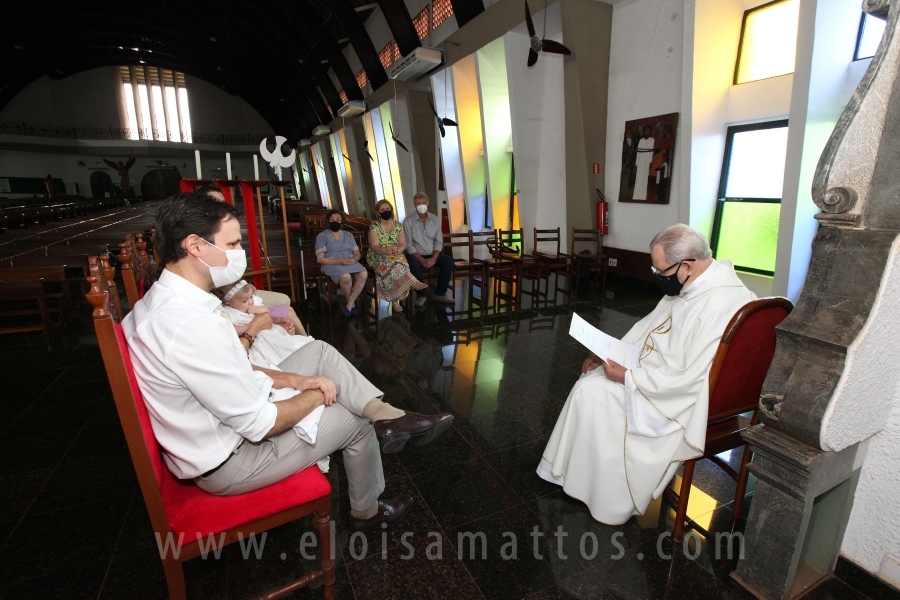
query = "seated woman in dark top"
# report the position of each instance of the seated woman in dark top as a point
(338, 253)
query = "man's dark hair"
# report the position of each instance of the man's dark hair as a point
(333, 212)
(183, 214)
(206, 189)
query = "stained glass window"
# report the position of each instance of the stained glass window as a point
(768, 43)
(745, 230)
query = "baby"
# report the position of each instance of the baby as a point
(271, 346)
(242, 296)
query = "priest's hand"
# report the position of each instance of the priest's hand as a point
(614, 371)
(591, 363)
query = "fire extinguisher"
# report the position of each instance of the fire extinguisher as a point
(602, 214)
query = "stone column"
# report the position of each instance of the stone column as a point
(809, 447)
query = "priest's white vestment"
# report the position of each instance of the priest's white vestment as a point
(615, 447)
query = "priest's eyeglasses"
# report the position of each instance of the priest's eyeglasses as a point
(659, 273)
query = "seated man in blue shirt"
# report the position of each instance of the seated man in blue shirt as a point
(210, 408)
(424, 242)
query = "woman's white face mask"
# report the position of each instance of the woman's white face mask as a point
(233, 269)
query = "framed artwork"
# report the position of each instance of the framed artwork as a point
(648, 151)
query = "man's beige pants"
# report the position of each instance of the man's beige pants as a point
(254, 465)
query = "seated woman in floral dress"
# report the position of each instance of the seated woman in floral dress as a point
(385, 256)
(338, 253)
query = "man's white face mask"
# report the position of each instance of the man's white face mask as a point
(233, 269)
(421, 208)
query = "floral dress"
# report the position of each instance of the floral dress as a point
(391, 270)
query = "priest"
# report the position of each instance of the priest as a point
(622, 433)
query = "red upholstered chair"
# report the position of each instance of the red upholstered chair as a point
(735, 380)
(183, 514)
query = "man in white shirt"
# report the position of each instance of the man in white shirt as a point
(424, 242)
(622, 434)
(210, 409)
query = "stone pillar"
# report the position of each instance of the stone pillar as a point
(809, 447)
(800, 509)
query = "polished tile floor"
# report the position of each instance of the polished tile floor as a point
(73, 522)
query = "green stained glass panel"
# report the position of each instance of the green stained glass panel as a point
(748, 235)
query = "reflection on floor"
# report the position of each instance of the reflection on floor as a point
(73, 523)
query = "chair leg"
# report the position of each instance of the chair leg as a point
(743, 473)
(175, 579)
(322, 523)
(681, 512)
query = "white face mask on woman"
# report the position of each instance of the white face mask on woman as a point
(232, 271)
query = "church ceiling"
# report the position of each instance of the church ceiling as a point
(278, 55)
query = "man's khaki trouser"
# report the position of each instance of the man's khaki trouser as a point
(254, 465)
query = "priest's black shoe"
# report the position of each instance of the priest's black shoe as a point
(389, 511)
(411, 429)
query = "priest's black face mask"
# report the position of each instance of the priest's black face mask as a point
(669, 284)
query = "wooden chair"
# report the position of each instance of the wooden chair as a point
(57, 294)
(735, 379)
(594, 261)
(135, 267)
(178, 509)
(20, 299)
(547, 249)
(496, 264)
(509, 285)
(469, 267)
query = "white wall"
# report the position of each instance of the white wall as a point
(645, 73)
(537, 109)
(215, 111)
(865, 407)
(88, 99)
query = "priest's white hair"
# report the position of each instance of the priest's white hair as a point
(680, 242)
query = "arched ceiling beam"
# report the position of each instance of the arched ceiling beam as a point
(362, 43)
(466, 10)
(401, 25)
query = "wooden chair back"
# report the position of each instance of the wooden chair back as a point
(23, 298)
(106, 280)
(742, 360)
(510, 239)
(589, 237)
(460, 240)
(546, 236)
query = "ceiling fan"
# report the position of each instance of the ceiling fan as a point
(541, 44)
(366, 150)
(395, 138)
(442, 122)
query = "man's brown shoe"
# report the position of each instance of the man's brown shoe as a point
(412, 429)
(389, 511)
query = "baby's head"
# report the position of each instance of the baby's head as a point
(238, 296)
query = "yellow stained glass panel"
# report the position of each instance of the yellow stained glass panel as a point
(768, 41)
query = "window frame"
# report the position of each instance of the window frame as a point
(859, 36)
(740, 50)
(723, 184)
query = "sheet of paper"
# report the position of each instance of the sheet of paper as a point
(603, 345)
